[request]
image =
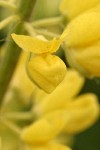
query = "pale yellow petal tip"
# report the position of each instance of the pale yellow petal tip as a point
(18, 39)
(14, 36)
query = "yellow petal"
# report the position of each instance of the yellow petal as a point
(49, 146)
(95, 9)
(36, 45)
(47, 71)
(89, 58)
(83, 30)
(72, 8)
(65, 92)
(45, 128)
(84, 113)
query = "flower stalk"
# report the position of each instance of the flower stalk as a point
(10, 125)
(48, 22)
(20, 116)
(12, 52)
(7, 21)
(7, 5)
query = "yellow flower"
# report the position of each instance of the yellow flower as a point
(62, 112)
(45, 69)
(64, 93)
(73, 8)
(46, 128)
(82, 43)
(84, 109)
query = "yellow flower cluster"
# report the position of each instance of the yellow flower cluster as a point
(63, 111)
(60, 112)
(82, 42)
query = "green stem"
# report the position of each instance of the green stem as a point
(7, 4)
(7, 21)
(10, 125)
(47, 33)
(25, 8)
(12, 51)
(48, 22)
(19, 116)
(8, 63)
(30, 29)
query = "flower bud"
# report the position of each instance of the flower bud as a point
(84, 113)
(45, 128)
(83, 30)
(82, 46)
(73, 8)
(89, 59)
(46, 70)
